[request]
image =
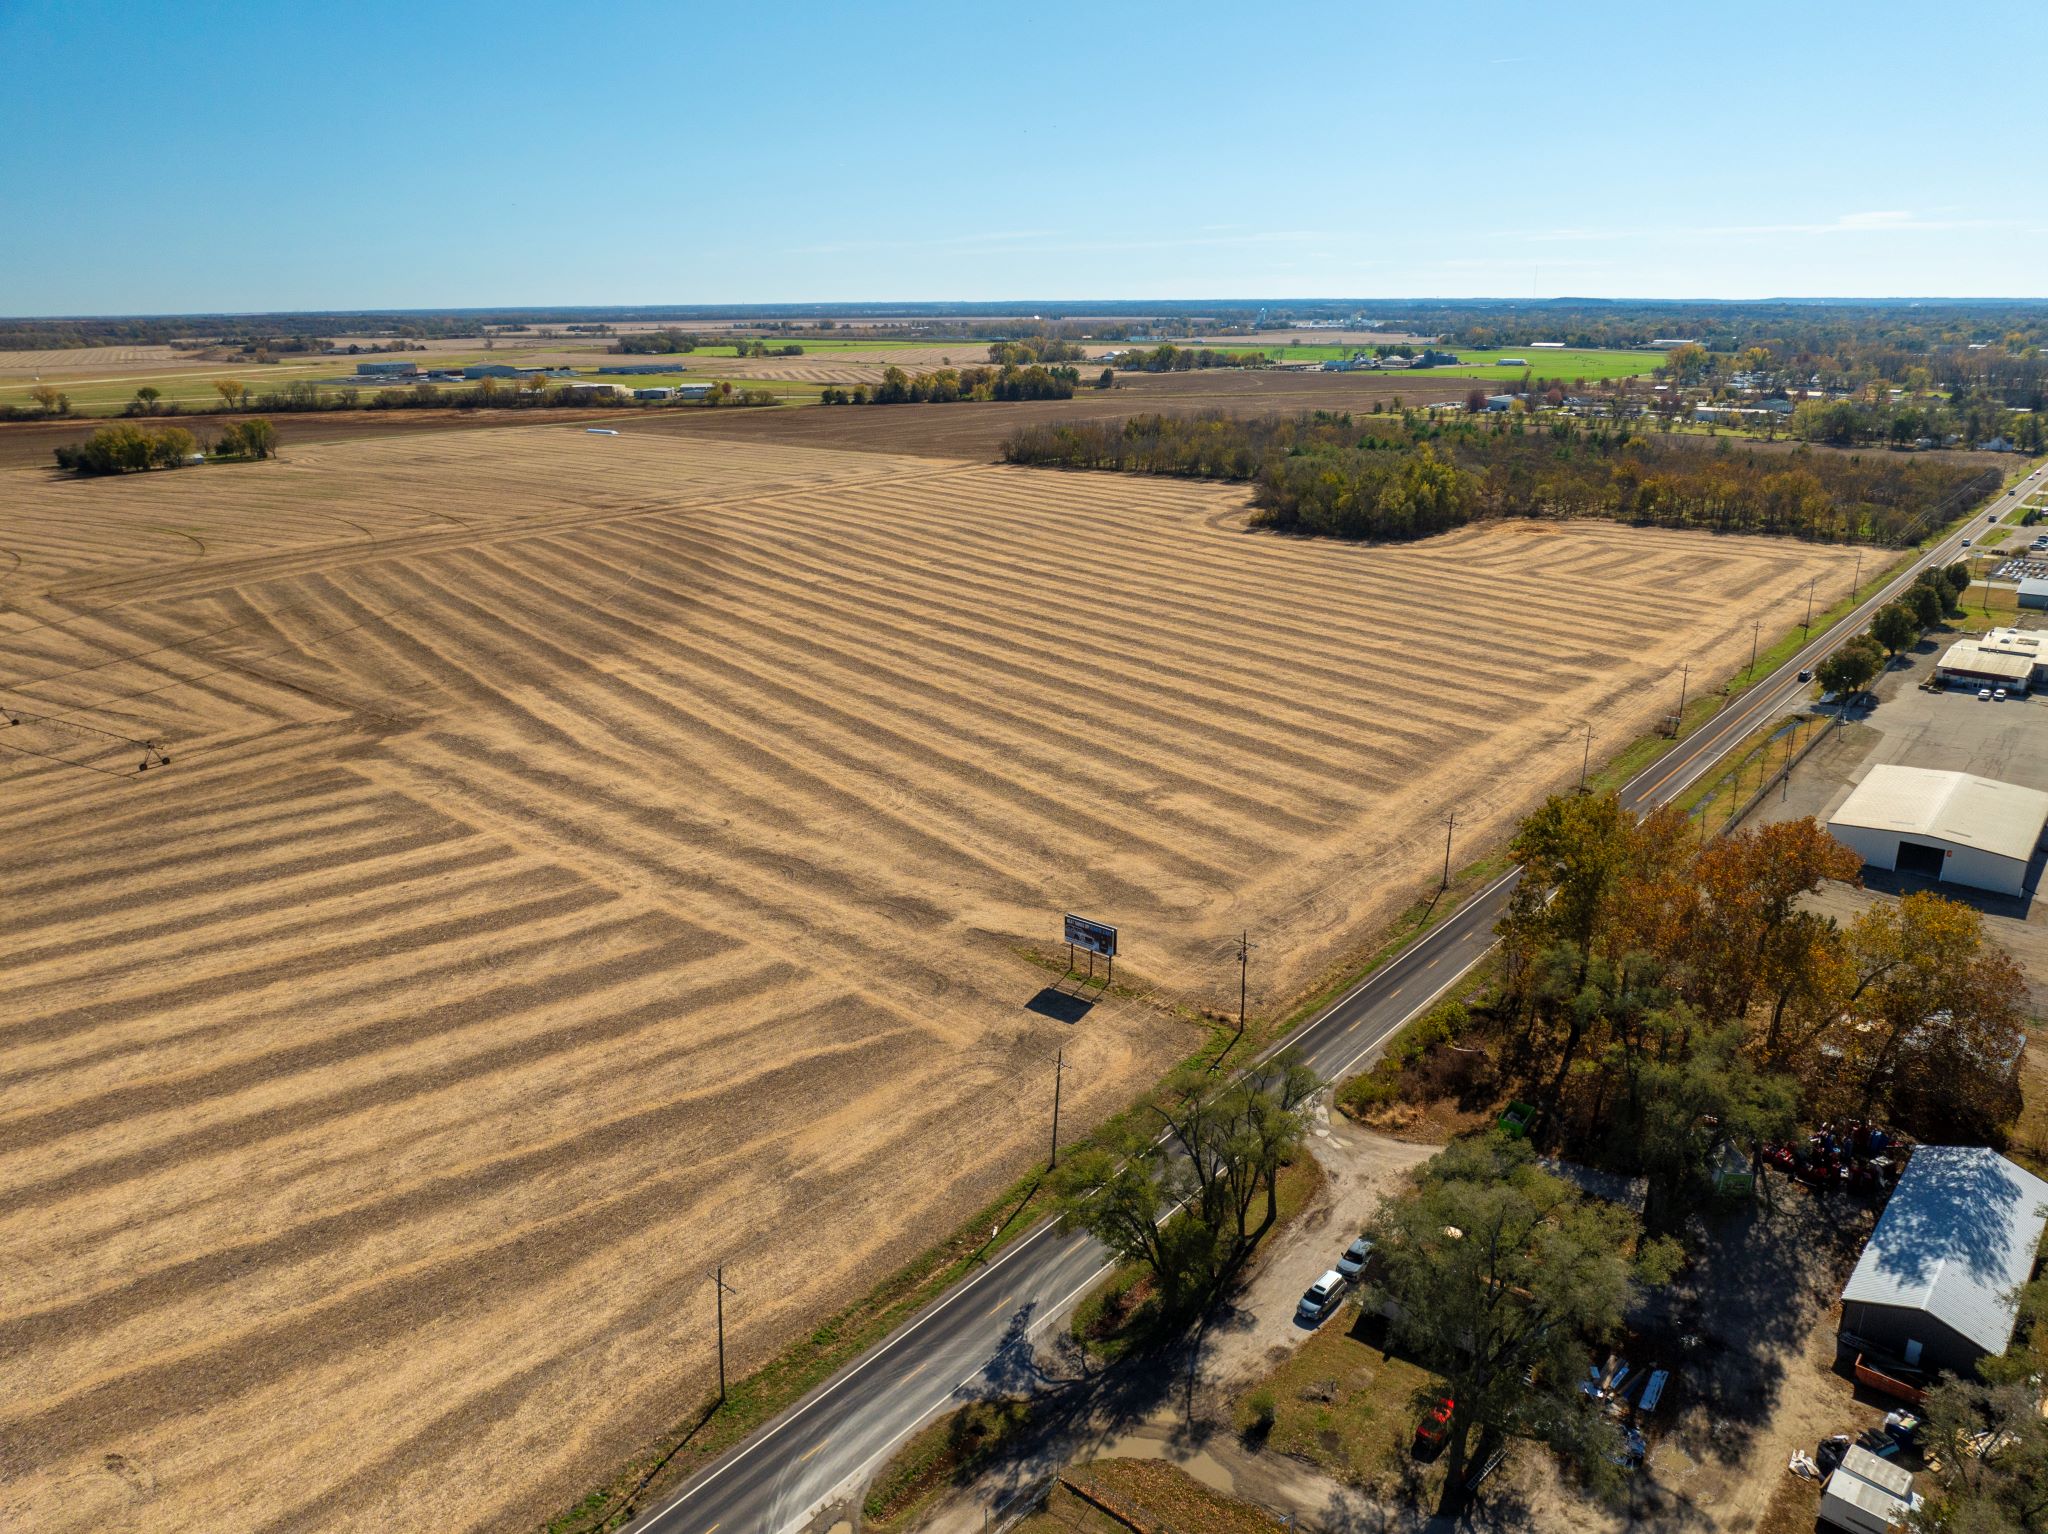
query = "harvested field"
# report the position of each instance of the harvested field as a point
(86, 359)
(585, 860)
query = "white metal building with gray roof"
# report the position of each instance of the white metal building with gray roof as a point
(1952, 826)
(1937, 1285)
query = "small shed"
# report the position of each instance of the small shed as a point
(1937, 1284)
(1868, 1493)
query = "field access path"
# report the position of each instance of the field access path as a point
(824, 1446)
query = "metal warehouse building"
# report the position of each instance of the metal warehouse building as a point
(1936, 1285)
(2033, 592)
(1951, 826)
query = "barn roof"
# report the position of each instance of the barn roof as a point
(1957, 1240)
(1957, 807)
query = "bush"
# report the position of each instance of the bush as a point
(1263, 1410)
(1377, 1088)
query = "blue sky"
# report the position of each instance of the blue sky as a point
(246, 157)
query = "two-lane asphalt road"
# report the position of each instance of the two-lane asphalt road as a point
(778, 1478)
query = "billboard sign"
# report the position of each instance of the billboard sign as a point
(1092, 936)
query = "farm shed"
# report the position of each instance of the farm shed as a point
(2034, 592)
(1935, 1286)
(1978, 664)
(1951, 826)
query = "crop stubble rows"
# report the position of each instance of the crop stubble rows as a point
(587, 860)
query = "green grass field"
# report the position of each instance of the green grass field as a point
(1483, 362)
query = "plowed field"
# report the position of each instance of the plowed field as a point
(585, 860)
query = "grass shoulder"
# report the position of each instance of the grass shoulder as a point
(949, 1453)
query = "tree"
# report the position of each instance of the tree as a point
(1749, 940)
(1896, 627)
(1988, 1445)
(1852, 667)
(1933, 1023)
(1106, 379)
(231, 391)
(1683, 1109)
(52, 402)
(251, 439)
(146, 397)
(1500, 1276)
(1925, 603)
(1216, 1154)
(127, 449)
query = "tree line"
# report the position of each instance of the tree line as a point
(1895, 628)
(1168, 358)
(1410, 476)
(950, 384)
(1035, 349)
(121, 449)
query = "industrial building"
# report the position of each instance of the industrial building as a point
(1951, 826)
(1937, 1285)
(2014, 659)
(387, 369)
(2034, 592)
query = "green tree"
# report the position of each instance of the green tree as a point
(52, 402)
(231, 391)
(1213, 1153)
(1896, 627)
(1501, 1275)
(1686, 1104)
(1853, 667)
(1988, 1451)
(1926, 604)
(146, 398)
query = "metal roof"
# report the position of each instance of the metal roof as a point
(2034, 586)
(1874, 1484)
(1984, 660)
(1955, 807)
(1957, 1240)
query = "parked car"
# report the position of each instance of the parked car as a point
(1983, 695)
(1322, 1295)
(1355, 1257)
(1435, 1425)
(1998, 695)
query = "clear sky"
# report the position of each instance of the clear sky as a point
(226, 156)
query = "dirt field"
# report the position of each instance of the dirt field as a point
(584, 860)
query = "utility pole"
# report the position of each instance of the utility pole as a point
(1756, 631)
(1244, 967)
(718, 1278)
(1059, 1070)
(1807, 627)
(1450, 825)
(1856, 589)
(1586, 761)
(1244, 959)
(1684, 677)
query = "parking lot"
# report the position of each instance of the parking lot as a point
(1952, 730)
